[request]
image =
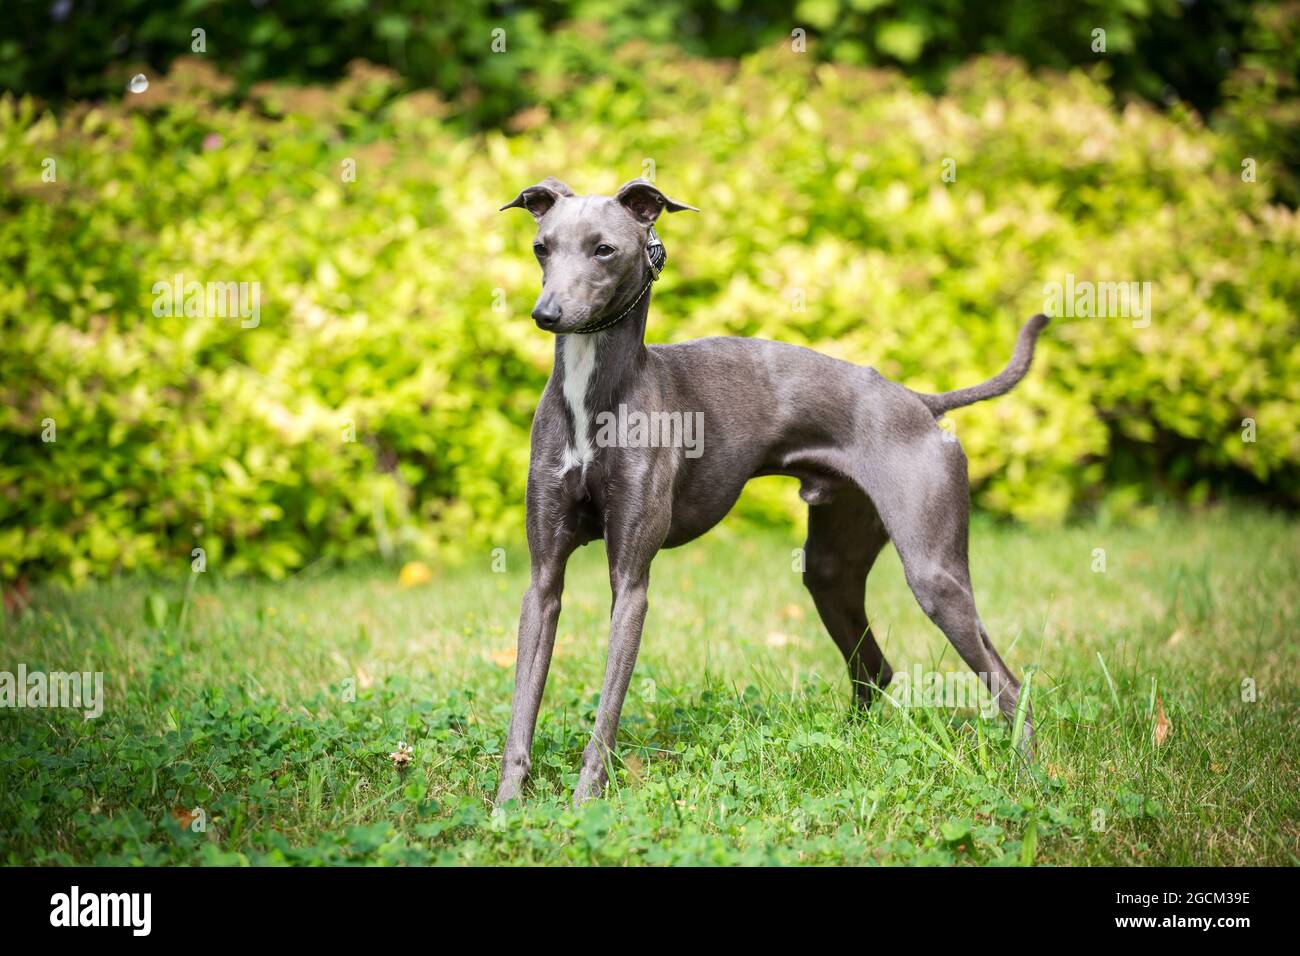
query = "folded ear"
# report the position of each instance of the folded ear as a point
(645, 202)
(539, 199)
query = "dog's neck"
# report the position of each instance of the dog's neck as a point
(594, 372)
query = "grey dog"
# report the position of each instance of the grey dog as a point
(872, 463)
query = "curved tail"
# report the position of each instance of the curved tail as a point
(999, 384)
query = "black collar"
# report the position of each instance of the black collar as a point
(656, 256)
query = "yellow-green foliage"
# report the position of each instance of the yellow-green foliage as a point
(377, 296)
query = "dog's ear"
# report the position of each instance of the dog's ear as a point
(539, 199)
(645, 202)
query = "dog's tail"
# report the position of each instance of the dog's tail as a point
(999, 384)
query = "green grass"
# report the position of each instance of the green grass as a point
(737, 744)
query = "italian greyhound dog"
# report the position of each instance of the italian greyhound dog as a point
(872, 463)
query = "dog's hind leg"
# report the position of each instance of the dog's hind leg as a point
(845, 536)
(924, 501)
(943, 589)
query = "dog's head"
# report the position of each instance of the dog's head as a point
(592, 249)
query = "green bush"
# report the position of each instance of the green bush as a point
(1232, 60)
(377, 296)
(1262, 109)
(1155, 48)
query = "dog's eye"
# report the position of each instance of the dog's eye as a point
(604, 251)
(539, 250)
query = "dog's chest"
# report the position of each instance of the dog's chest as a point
(579, 370)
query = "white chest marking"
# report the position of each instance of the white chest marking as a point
(579, 366)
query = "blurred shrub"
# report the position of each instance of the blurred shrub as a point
(377, 295)
(491, 60)
(1262, 108)
(1155, 48)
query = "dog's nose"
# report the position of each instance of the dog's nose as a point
(547, 314)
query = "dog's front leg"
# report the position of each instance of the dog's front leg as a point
(630, 603)
(537, 620)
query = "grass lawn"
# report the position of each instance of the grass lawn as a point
(273, 707)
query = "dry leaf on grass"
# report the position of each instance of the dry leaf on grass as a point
(183, 817)
(1162, 723)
